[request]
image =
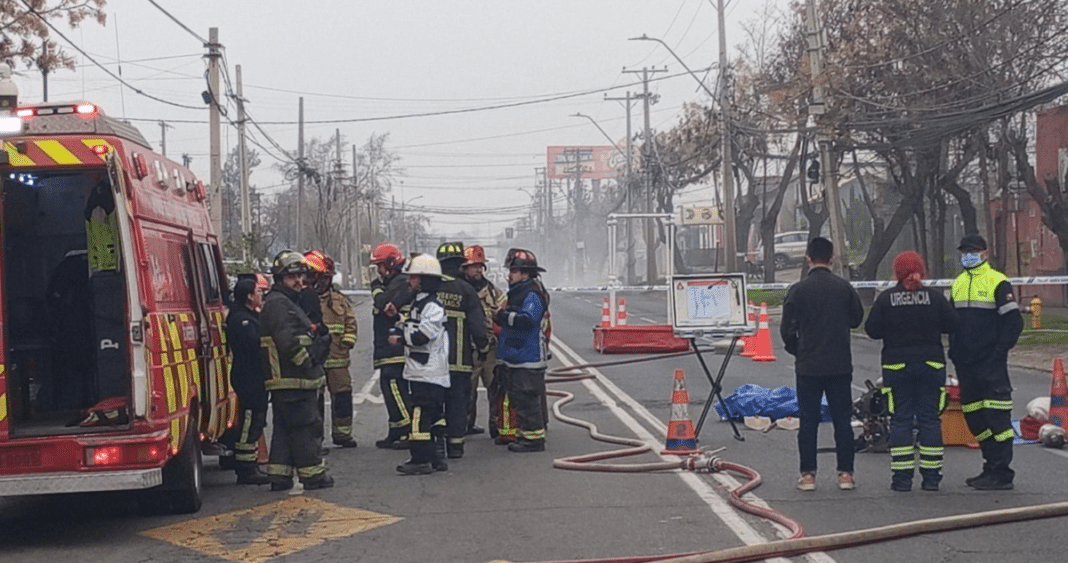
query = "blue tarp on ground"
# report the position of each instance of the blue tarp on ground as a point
(754, 400)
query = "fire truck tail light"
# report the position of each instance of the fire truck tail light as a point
(25, 112)
(85, 109)
(125, 454)
(100, 149)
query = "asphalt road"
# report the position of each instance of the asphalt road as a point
(497, 505)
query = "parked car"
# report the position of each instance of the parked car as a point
(789, 249)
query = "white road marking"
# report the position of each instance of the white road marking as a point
(366, 393)
(1056, 452)
(720, 507)
(647, 320)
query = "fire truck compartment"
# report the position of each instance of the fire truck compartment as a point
(64, 306)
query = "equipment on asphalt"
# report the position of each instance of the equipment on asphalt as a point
(680, 436)
(870, 409)
(1052, 436)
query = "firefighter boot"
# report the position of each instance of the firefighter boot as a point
(439, 462)
(397, 439)
(524, 446)
(455, 450)
(320, 481)
(281, 483)
(345, 441)
(248, 473)
(409, 468)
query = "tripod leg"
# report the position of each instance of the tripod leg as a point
(716, 387)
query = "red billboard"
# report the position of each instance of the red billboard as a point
(601, 163)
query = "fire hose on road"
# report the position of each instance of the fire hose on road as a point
(795, 544)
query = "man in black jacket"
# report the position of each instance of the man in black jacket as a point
(817, 317)
(466, 326)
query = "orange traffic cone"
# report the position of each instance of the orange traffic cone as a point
(606, 315)
(1058, 396)
(749, 341)
(262, 456)
(680, 435)
(621, 313)
(764, 353)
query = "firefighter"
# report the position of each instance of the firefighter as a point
(340, 321)
(247, 379)
(294, 379)
(466, 326)
(492, 299)
(990, 324)
(390, 293)
(426, 365)
(522, 349)
(911, 319)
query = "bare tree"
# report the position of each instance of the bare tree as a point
(24, 35)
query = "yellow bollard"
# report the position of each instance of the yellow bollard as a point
(1036, 313)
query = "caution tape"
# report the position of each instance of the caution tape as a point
(865, 284)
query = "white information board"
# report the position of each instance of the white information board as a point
(710, 304)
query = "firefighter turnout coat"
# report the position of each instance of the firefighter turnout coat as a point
(286, 339)
(341, 322)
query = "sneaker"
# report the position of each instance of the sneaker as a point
(991, 483)
(901, 487)
(409, 468)
(345, 441)
(807, 482)
(525, 446)
(320, 481)
(846, 482)
(929, 486)
(281, 483)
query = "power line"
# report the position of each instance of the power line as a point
(45, 21)
(180, 24)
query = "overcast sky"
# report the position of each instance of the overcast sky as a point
(358, 60)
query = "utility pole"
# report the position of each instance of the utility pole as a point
(300, 173)
(163, 127)
(242, 162)
(647, 157)
(825, 138)
(730, 231)
(580, 218)
(627, 225)
(214, 116)
(355, 261)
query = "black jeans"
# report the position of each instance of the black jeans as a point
(839, 391)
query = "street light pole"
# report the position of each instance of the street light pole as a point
(730, 236)
(626, 185)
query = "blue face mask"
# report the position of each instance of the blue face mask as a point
(971, 259)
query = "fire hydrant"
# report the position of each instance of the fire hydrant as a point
(1036, 312)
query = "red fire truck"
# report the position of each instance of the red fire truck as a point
(113, 364)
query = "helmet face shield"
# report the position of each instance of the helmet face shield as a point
(288, 262)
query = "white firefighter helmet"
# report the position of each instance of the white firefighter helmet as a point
(1038, 408)
(423, 265)
(1051, 436)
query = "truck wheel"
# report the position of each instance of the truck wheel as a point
(181, 491)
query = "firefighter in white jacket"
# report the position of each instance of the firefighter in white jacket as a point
(426, 365)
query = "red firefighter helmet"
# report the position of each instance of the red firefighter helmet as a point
(474, 254)
(262, 282)
(316, 261)
(522, 260)
(389, 255)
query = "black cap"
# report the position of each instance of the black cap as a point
(972, 241)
